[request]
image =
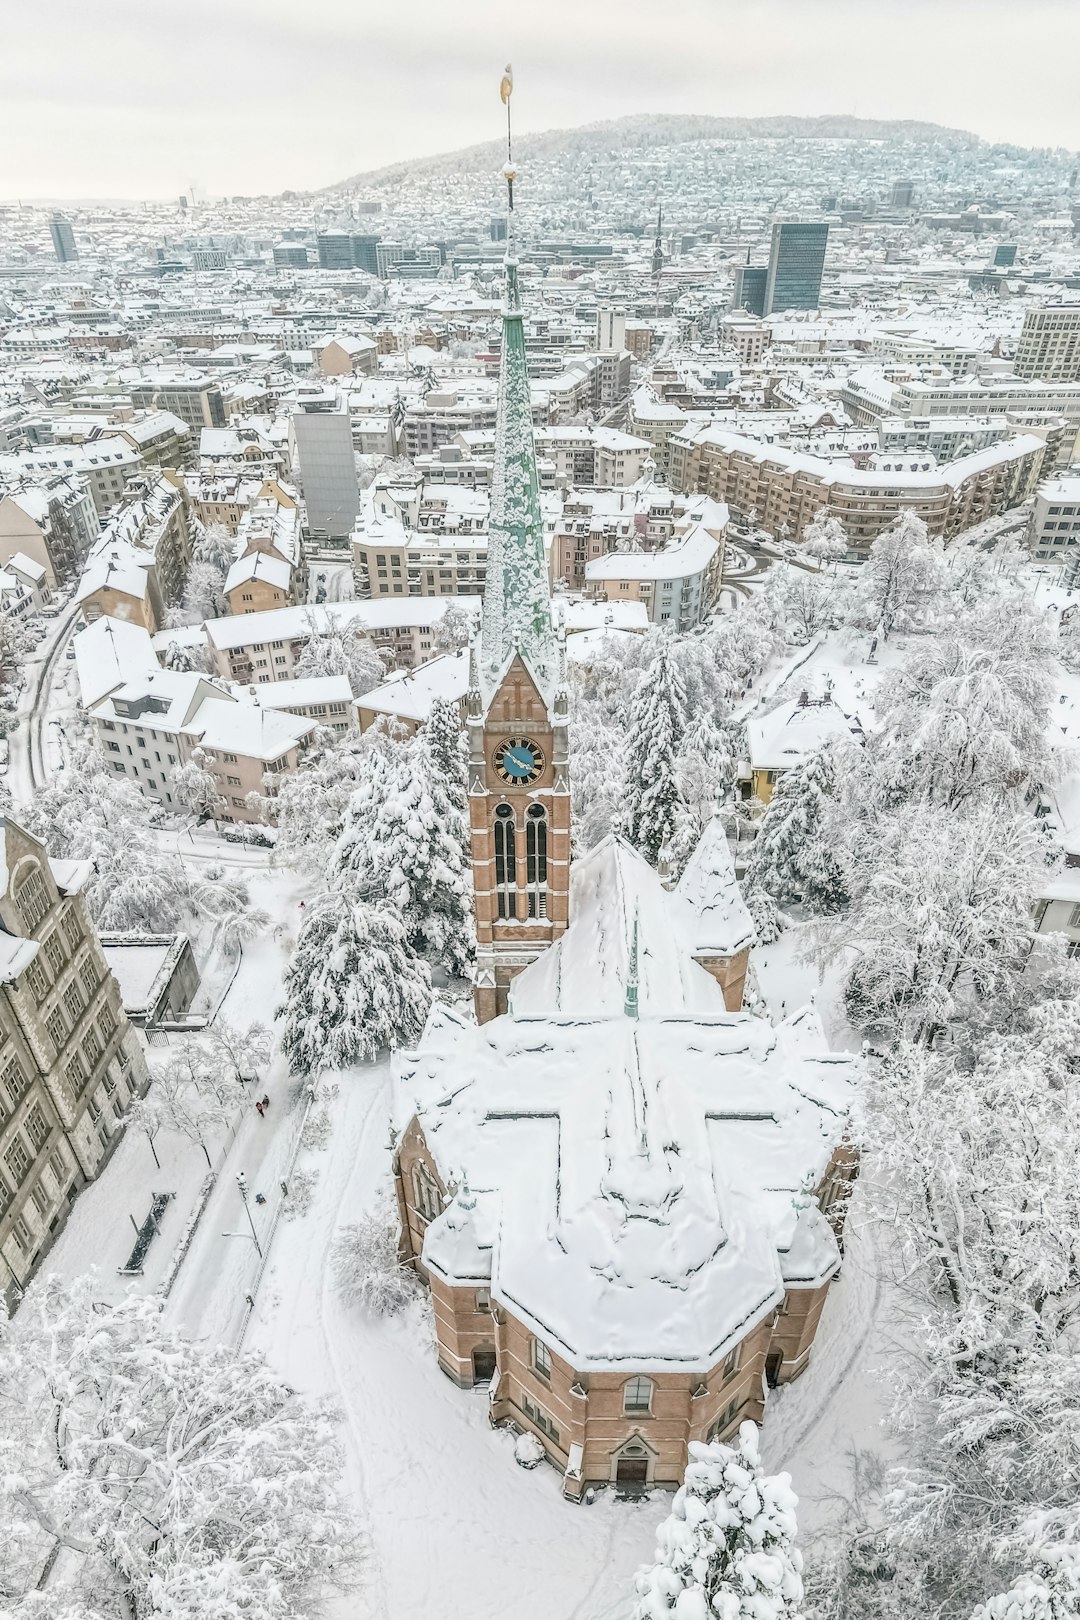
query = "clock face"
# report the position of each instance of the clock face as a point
(518, 761)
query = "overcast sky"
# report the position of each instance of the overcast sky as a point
(136, 98)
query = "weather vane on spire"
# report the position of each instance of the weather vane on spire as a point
(506, 90)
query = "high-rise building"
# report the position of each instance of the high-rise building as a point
(1048, 349)
(208, 259)
(498, 229)
(320, 437)
(610, 331)
(903, 194)
(750, 287)
(345, 250)
(1004, 256)
(290, 256)
(63, 239)
(796, 260)
(395, 260)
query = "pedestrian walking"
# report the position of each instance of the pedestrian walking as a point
(259, 1109)
(266, 1102)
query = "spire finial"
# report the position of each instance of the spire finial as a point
(506, 90)
(630, 1004)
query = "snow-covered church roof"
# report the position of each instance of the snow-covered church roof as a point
(634, 1186)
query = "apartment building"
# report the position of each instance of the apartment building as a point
(1054, 531)
(783, 489)
(869, 397)
(192, 396)
(326, 700)
(263, 647)
(106, 467)
(346, 356)
(69, 1061)
(679, 584)
(138, 565)
(51, 520)
(445, 554)
(1049, 345)
(748, 336)
(258, 582)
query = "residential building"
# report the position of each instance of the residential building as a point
(194, 398)
(346, 356)
(679, 584)
(788, 735)
(796, 261)
(50, 520)
(394, 259)
(747, 335)
(1054, 531)
(264, 647)
(69, 1060)
(258, 582)
(138, 565)
(326, 700)
(1048, 348)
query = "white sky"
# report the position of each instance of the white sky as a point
(135, 98)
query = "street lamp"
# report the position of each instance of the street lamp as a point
(241, 1182)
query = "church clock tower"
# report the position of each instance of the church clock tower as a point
(519, 787)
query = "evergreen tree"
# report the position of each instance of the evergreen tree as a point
(353, 987)
(727, 1550)
(791, 859)
(448, 750)
(409, 847)
(657, 721)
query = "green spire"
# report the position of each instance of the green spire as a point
(517, 598)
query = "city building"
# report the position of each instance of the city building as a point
(1054, 531)
(345, 356)
(194, 398)
(679, 583)
(750, 288)
(63, 239)
(1048, 348)
(52, 521)
(393, 259)
(903, 194)
(264, 647)
(321, 449)
(290, 256)
(796, 261)
(69, 1062)
(209, 259)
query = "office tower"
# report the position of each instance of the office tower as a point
(1048, 349)
(335, 250)
(796, 260)
(750, 286)
(365, 250)
(1004, 256)
(903, 194)
(320, 437)
(290, 256)
(208, 259)
(63, 239)
(498, 230)
(610, 331)
(415, 262)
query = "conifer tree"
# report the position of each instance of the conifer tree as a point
(353, 987)
(790, 859)
(448, 751)
(727, 1550)
(657, 721)
(404, 842)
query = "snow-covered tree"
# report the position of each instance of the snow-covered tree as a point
(338, 650)
(804, 601)
(354, 985)
(191, 1094)
(727, 1549)
(223, 900)
(704, 774)
(367, 1264)
(655, 727)
(86, 813)
(454, 630)
(179, 1478)
(791, 857)
(213, 544)
(448, 751)
(824, 538)
(967, 713)
(204, 593)
(898, 578)
(411, 849)
(941, 914)
(196, 787)
(310, 805)
(183, 656)
(1050, 1590)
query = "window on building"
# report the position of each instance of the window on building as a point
(22, 1235)
(18, 1160)
(539, 1418)
(73, 1001)
(541, 1358)
(57, 1028)
(57, 1166)
(41, 1200)
(637, 1395)
(16, 1081)
(88, 979)
(72, 931)
(32, 899)
(426, 1193)
(731, 1363)
(107, 1023)
(722, 1424)
(536, 860)
(483, 1299)
(505, 860)
(38, 980)
(37, 1128)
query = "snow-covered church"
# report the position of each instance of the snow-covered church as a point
(624, 1191)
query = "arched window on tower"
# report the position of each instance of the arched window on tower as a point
(505, 861)
(536, 860)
